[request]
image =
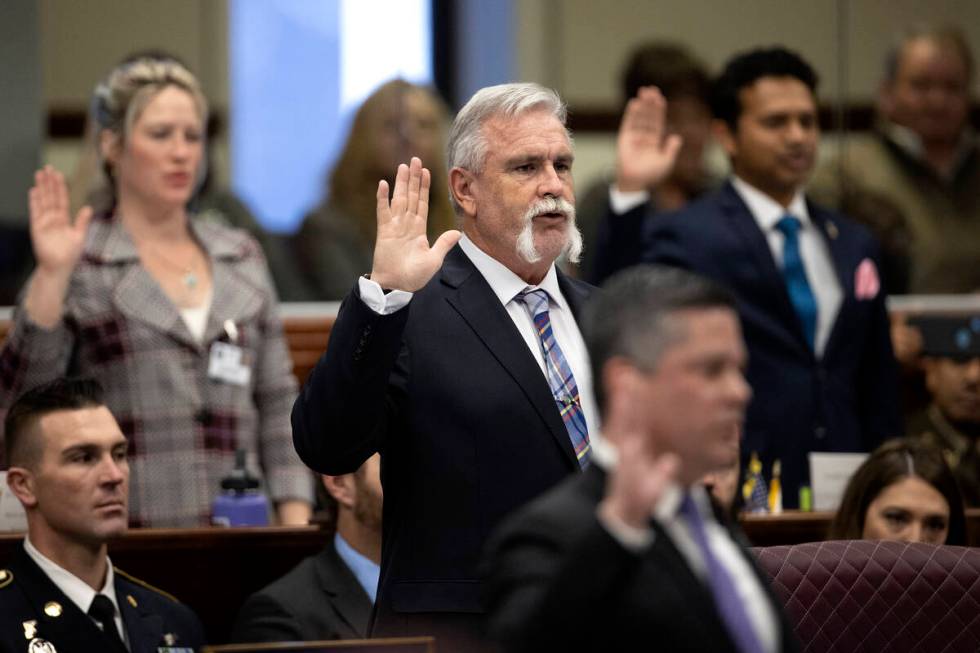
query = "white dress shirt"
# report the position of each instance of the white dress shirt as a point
(506, 286)
(725, 550)
(817, 263)
(77, 590)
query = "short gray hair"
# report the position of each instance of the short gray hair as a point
(632, 316)
(467, 143)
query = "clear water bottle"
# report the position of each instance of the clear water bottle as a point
(240, 502)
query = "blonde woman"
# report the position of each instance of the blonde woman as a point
(176, 319)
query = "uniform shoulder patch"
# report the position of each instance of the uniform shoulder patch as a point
(6, 577)
(145, 585)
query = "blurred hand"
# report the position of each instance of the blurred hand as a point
(645, 154)
(642, 473)
(403, 259)
(57, 241)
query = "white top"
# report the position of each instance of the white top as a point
(506, 286)
(77, 590)
(196, 317)
(817, 262)
(724, 549)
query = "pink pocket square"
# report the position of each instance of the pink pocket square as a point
(866, 282)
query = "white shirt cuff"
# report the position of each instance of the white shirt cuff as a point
(633, 539)
(375, 298)
(621, 202)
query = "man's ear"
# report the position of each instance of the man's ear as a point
(109, 146)
(461, 184)
(725, 136)
(20, 480)
(341, 488)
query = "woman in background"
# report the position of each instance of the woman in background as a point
(335, 244)
(903, 491)
(177, 319)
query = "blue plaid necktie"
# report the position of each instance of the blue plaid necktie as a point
(722, 585)
(800, 293)
(559, 374)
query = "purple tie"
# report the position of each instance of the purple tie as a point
(722, 586)
(559, 375)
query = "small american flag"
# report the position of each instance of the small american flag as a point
(754, 490)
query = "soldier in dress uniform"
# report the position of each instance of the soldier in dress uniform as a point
(68, 467)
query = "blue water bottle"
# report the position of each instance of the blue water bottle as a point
(240, 503)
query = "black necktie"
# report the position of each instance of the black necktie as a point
(104, 612)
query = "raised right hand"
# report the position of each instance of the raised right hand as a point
(403, 259)
(57, 241)
(645, 153)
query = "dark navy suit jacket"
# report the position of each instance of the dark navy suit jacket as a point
(558, 581)
(447, 390)
(844, 401)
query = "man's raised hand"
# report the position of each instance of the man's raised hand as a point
(645, 153)
(403, 259)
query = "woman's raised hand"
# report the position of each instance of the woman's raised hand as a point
(57, 241)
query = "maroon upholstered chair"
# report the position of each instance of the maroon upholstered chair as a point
(876, 596)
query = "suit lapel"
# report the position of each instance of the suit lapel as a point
(770, 278)
(348, 598)
(830, 232)
(470, 295)
(136, 295)
(233, 300)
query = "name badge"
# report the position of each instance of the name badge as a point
(228, 364)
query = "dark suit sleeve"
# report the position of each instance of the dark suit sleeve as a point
(878, 383)
(341, 414)
(263, 619)
(663, 243)
(619, 241)
(541, 577)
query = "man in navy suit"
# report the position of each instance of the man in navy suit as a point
(806, 280)
(68, 468)
(462, 364)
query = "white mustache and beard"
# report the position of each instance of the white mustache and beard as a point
(573, 237)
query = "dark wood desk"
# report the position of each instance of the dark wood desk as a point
(798, 527)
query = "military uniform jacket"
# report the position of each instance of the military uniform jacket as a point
(33, 608)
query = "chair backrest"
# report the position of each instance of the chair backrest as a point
(867, 595)
(381, 645)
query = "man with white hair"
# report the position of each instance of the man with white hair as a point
(461, 363)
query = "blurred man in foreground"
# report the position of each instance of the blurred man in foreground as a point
(634, 551)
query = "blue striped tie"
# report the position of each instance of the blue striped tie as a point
(563, 387)
(800, 293)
